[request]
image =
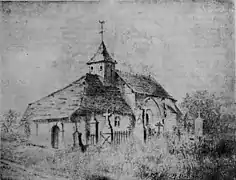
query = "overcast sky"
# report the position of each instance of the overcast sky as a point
(186, 46)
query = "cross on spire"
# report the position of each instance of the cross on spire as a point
(102, 31)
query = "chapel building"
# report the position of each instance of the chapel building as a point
(102, 100)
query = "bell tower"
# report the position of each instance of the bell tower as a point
(102, 64)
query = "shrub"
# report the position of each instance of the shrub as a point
(160, 158)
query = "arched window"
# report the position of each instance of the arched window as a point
(100, 68)
(148, 117)
(91, 68)
(117, 121)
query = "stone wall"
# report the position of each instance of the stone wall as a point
(41, 135)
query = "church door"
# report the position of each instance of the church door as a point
(55, 136)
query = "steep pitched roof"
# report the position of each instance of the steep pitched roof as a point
(58, 105)
(74, 99)
(93, 80)
(172, 107)
(110, 99)
(101, 55)
(144, 84)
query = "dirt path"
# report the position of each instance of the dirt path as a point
(11, 170)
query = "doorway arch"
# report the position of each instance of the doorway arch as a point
(157, 109)
(55, 136)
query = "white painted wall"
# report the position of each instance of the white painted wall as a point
(44, 134)
(129, 97)
(170, 121)
(96, 69)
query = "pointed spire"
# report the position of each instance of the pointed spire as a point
(102, 54)
(102, 31)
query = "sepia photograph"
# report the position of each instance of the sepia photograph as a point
(117, 90)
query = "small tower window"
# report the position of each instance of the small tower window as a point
(91, 68)
(117, 121)
(100, 68)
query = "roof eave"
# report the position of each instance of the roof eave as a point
(47, 120)
(95, 62)
(24, 116)
(83, 112)
(152, 95)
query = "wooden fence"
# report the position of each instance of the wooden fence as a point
(121, 136)
(92, 139)
(118, 137)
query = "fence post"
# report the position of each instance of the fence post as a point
(115, 138)
(145, 134)
(122, 137)
(111, 135)
(119, 137)
(96, 131)
(117, 134)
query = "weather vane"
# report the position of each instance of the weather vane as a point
(102, 31)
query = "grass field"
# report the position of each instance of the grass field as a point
(154, 160)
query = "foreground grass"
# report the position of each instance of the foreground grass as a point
(156, 160)
(21, 161)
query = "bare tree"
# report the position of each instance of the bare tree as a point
(9, 121)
